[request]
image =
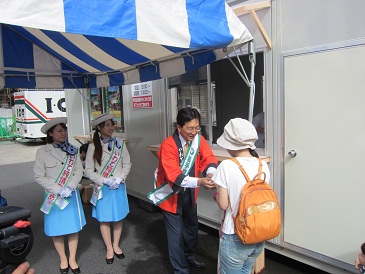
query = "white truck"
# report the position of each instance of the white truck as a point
(34, 107)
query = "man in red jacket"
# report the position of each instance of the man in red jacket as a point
(182, 157)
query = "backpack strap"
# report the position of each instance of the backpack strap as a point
(242, 169)
(260, 169)
(259, 172)
(246, 176)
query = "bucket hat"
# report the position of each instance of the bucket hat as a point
(238, 134)
(101, 118)
(53, 122)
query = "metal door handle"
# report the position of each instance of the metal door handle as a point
(292, 153)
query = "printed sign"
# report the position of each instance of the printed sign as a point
(113, 104)
(95, 102)
(142, 95)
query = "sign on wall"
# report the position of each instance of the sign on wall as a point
(95, 102)
(142, 95)
(113, 105)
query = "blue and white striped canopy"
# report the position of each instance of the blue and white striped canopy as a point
(99, 43)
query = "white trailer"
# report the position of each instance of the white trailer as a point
(313, 63)
(34, 107)
(315, 101)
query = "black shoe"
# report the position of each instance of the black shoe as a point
(109, 261)
(196, 264)
(64, 270)
(76, 270)
(119, 256)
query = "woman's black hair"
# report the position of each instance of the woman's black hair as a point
(49, 138)
(98, 148)
(253, 152)
(84, 148)
(97, 143)
(363, 248)
(187, 114)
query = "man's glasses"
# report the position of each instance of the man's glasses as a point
(191, 129)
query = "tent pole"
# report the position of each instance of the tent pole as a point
(210, 105)
(252, 58)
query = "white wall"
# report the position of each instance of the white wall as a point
(77, 111)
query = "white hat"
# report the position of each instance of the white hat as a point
(53, 122)
(101, 118)
(238, 134)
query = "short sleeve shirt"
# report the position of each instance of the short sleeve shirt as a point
(230, 177)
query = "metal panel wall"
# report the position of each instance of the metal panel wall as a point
(77, 109)
(312, 22)
(144, 127)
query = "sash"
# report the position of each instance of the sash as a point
(106, 172)
(62, 181)
(164, 191)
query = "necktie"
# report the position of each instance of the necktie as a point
(186, 148)
(185, 152)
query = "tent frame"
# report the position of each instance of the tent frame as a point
(250, 82)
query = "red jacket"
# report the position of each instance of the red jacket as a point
(169, 169)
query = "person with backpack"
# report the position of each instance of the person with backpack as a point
(239, 139)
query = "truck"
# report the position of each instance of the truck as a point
(34, 107)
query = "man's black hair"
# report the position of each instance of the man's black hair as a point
(186, 115)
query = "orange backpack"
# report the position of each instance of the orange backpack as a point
(258, 216)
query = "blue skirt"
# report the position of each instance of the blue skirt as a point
(113, 207)
(68, 221)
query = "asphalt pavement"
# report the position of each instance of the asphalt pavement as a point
(143, 239)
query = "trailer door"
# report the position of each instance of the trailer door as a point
(324, 147)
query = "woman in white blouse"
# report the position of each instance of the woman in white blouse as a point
(58, 170)
(108, 165)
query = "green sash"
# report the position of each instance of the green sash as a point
(106, 172)
(164, 191)
(62, 181)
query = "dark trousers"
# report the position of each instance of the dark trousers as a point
(182, 234)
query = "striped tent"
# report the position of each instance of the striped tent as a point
(98, 43)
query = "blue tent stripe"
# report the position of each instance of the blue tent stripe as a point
(92, 82)
(199, 60)
(208, 24)
(103, 17)
(17, 51)
(72, 82)
(116, 79)
(118, 50)
(20, 81)
(44, 46)
(74, 50)
(149, 73)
